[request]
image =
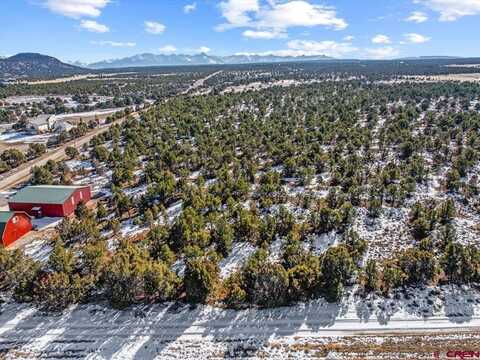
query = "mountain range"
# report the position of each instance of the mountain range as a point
(149, 59)
(32, 65)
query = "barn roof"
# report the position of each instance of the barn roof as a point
(4, 217)
(44, 194)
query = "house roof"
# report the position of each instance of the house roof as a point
(40, 120)
(44, 194)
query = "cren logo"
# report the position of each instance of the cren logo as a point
(461, 354)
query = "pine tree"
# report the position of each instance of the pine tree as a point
(61, 260)
(371, 276)
(201, 278)
(223, 237)
(336, 268)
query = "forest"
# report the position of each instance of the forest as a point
(351, 185)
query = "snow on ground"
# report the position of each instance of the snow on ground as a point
(468, 230)
(239, 255)
(38, 249)
(97, 182)
(136, 192)
(276, 249)
(175, 330)
(25, 99)
(128, 228)
(20, 136)
(174, 210)
(320, 243)
(75, 165)
(46, 223)
(102, 112)
(178, 267)
(385, 235)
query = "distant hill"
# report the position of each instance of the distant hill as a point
(198, 59)
(32, 65)
(431, 58)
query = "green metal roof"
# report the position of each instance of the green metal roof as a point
(44, 194)
(4, 217)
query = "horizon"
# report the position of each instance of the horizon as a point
(104, 29)
(326, 58)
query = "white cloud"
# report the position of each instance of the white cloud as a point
(276, 16)
(168, 49)
(417, 17)
(187, 9)
(114, 43)
(311, 48)
(263, 34)
(329, 48)
(413, 38)
(93, 26)
(76, 8)
(203, 50)
(451, 10)
(349, 38)
(237, 11)
(381, 39)
(300, 13)
(153, 27)
(386, 52)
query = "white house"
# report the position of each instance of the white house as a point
(63, 126)
(41, 124)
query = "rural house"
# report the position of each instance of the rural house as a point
(13, 225)
(41, 124)
(49, 200)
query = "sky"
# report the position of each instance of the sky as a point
(94, 30)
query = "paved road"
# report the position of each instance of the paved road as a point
(23, 172)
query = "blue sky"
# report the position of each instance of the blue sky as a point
(92, 30)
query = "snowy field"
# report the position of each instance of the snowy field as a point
(24, 137)
(178, 331)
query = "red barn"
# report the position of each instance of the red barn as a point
(13, 225)
(49, 200)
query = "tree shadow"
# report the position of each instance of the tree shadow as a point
(247, 332)
(30, 331)
(459, 303)
(177, 329)
(140, 332)
(456, 303)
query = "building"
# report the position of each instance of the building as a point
(41, 124)
(63, 125)
(49, 200)
(6, 127)
(13, 225)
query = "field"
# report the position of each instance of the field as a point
(289, 211)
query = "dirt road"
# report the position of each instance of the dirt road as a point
(23, 172)
(200, 82)
(178, 331)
